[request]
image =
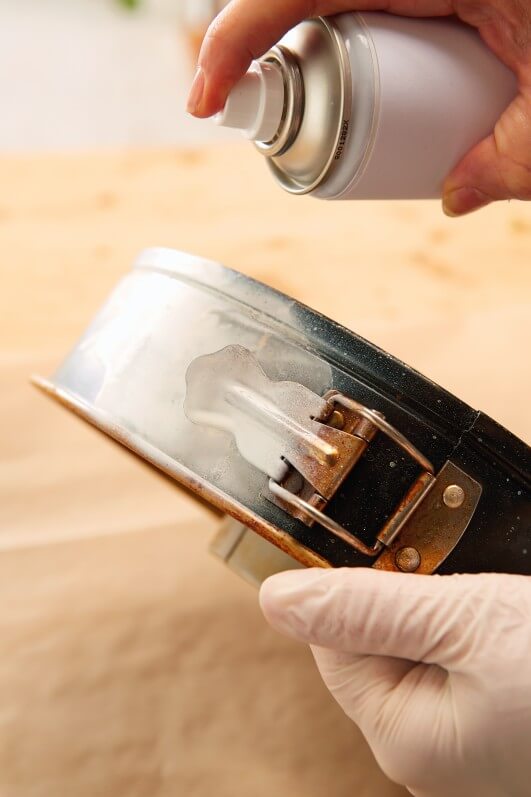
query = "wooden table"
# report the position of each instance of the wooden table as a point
(123, 670)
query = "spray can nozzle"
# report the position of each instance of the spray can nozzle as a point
(256, 104)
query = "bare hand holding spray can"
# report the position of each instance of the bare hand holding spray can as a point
(440, 104)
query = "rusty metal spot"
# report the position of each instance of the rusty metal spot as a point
(434, 529)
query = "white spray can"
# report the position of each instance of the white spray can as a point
(370, 106)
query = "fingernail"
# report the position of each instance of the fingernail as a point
(196, 92)
(464, 200)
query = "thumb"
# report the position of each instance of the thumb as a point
(499, 167)
(430, 619)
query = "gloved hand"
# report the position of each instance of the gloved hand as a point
(435, 670)
(497, 168)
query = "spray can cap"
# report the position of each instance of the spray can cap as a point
(296, 103)
(255, 105)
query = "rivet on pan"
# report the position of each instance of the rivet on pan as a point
(337, 420)
(454, 496)
(407, 560)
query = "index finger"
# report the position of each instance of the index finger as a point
(246, 29)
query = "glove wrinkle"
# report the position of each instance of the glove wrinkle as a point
(435, 671)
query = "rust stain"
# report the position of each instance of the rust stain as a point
(433, 529)
(407, 504)
(199, 486)
(321, 478)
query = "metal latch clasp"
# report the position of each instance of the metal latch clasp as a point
(420, 488)
(308, 445)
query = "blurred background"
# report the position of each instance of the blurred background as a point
(100, 73)
(131, 662)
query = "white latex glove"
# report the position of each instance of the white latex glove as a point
(435, 670)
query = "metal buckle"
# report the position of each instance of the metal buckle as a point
(308, 445)
(413, 498)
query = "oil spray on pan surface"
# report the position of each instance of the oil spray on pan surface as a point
(370, 106)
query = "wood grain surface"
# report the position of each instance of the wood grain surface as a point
(130, 662)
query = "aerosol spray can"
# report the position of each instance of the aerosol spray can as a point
(370, 106)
